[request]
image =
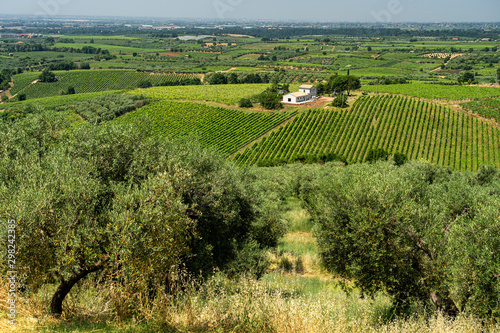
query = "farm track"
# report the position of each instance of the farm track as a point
(7, 92)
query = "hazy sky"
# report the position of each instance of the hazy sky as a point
(312, 10)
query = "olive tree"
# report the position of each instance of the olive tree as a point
(419, 232)
(93, 198)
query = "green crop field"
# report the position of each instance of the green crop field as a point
(53, 101)
(436, 91)
(226, 93)
(226, 130)
(22, 80)
(85, 81)
(489, 107)
(111, 48)
(419, 129)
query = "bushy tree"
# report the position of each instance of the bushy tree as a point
(47, 76)
(341, 83)
(245, 103)
(376, 154)
(340, 101)
(218, 78)
(110, 198)
(400, 158)
(419, 232)
(144, 84)
(269, 101)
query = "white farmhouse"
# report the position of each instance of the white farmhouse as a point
(309, 89)
(305, 93)
(295, 98)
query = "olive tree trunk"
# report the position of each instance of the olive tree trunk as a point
(66, 285)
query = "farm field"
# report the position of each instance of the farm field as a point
(226, 130)
(50, 102)
(426, 90)
(488, 107)
(419, 129)
(114, 49)
(85, 81)
(226, 94)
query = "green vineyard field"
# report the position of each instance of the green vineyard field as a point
(426, 90)
(53, 101)
(419, 129)
(488, 107)
(86, 81)
(22, 81)
(226, 130)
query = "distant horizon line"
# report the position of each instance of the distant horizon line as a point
(250, 20)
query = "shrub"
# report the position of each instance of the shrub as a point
(144, 84)
(47, 76)
(400, 158)
(218, 78)
(377, 154)
(245, 103)
(285, 264)
(269, 101)
(340, 101)
(299, 265)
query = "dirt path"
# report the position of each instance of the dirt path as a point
(227, 70)
(7, 92)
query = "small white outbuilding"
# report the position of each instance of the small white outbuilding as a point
(295, 98)
(305, 93)
(309, 89)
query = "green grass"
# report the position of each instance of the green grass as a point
(297, 216)
(298, 244)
